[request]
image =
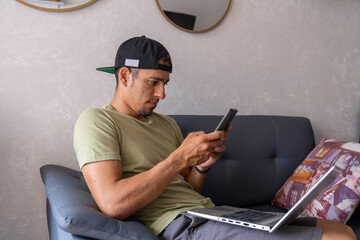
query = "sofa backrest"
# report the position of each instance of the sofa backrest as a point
(262, 152)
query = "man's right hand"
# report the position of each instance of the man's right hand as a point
(198, 146)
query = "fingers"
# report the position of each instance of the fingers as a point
(218, 135)
(215, 155)
(212, 141)
(228, 129)
(195, 134)
(220, 149)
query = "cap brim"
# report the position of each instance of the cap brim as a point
(107, 69)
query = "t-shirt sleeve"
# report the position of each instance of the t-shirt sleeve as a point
(96, 137)
(177, 131)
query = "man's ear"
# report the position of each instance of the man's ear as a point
(124, 76)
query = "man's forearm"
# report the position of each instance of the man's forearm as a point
(196, 179)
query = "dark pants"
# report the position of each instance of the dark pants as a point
(187, 226)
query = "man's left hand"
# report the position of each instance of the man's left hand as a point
(215, 155)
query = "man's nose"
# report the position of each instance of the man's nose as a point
(160, 91)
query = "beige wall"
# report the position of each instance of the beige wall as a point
(267, 57)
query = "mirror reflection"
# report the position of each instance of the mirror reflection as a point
(194, 16)
(57, 5)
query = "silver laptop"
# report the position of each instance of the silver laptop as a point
(267, 221)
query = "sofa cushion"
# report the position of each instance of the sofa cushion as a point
(74, 210)
(339, 200)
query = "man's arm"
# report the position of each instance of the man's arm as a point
(120, 197)
(197, 179)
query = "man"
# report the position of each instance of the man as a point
(136, 162)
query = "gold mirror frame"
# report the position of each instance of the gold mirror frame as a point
(194, 31)
(57, 10)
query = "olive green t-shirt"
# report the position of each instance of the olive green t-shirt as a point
(104, 134)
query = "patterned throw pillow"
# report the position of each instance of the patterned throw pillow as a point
(339, 200)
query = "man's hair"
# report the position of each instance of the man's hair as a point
(166, 59)
(135, 71)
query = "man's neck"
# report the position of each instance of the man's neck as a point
(119, 108)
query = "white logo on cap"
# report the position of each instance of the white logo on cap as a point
(132, 62)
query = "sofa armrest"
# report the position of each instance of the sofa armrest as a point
(74, 210)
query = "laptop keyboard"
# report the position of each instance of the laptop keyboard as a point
(249, 216)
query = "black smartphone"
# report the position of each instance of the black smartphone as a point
(225, 121)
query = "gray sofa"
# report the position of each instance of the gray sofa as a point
(262, 152)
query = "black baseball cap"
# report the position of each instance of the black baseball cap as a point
(140, 52)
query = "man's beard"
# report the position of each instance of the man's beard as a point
(144, 114)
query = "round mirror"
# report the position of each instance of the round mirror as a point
(57, 5)
(194, 15)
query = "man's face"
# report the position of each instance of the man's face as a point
(145, 91)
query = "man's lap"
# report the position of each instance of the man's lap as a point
(187, 226)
